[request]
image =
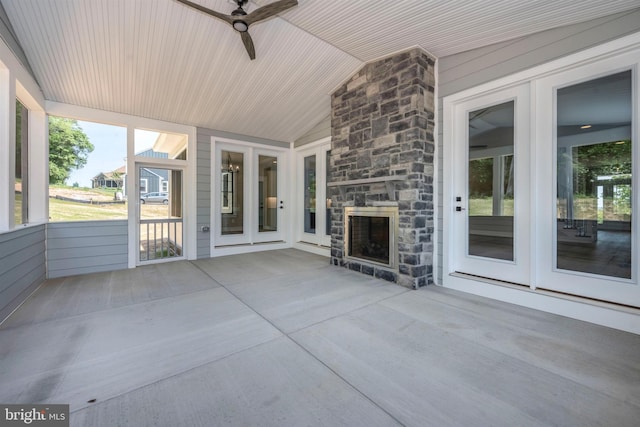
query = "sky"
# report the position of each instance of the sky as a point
(110, 150)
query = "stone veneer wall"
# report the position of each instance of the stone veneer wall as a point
(382, 124)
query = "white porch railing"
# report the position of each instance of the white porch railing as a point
(160, 239)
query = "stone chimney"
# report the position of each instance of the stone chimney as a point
(382, 149)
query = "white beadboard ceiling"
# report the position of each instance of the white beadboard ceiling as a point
(159, 59)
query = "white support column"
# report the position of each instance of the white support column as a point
(7, 148)
(132, 198)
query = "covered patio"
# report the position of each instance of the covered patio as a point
(295, 341)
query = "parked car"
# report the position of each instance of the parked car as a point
(155, 198)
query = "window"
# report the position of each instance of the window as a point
(143, 185)
(89, 184)
(21, 188)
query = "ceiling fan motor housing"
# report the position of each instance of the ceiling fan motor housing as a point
(240, 20)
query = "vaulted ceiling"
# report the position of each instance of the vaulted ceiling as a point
(159, 59)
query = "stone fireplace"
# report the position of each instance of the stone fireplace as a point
(381, 161)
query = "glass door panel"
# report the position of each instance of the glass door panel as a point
(325, 239)
(231, 193)
(491, 188)
(268, 206)
(310, 194)
(267, 193)
(313, 208)
(594, 176)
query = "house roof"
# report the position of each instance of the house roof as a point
(111, 175)
(159, 59)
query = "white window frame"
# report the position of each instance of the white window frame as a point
(17, 83)
(145, 186)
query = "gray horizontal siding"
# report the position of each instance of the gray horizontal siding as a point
(319, 131)
(86, 247)
(204, 133)
(469, 69)
(22, 266)
(474, 67)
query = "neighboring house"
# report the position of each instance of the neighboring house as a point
(114, 179)
(278, 152)
(153, 180)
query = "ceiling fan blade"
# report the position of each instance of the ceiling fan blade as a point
(226, 18)
(248, 44)
(269, 10)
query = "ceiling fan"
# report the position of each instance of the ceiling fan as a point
(240, 20)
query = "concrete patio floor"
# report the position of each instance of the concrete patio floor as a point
(283, 338)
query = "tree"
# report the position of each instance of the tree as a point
(591, 161)
(69, 148)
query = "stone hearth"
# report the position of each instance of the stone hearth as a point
(382, 152)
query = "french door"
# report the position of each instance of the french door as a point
(248, 204)
(542, 188)
(313, 206)
(588, 218)
(491, 192)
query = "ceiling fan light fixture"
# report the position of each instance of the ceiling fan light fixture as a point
(240, 26)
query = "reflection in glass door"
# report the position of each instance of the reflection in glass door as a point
(491, 182)
(594, 175)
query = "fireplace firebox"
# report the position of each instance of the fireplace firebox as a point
(371, 235)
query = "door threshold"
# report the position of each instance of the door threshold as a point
(550, 293)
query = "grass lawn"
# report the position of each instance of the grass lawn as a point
(61, 210)
(17, 211)
(484, 207)
(583, 208)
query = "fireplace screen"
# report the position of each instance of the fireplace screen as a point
(371, 236)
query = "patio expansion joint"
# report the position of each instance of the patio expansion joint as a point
(305, 350)
(3, 326)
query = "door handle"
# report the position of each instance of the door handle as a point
(459, 208)
(281, 204)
